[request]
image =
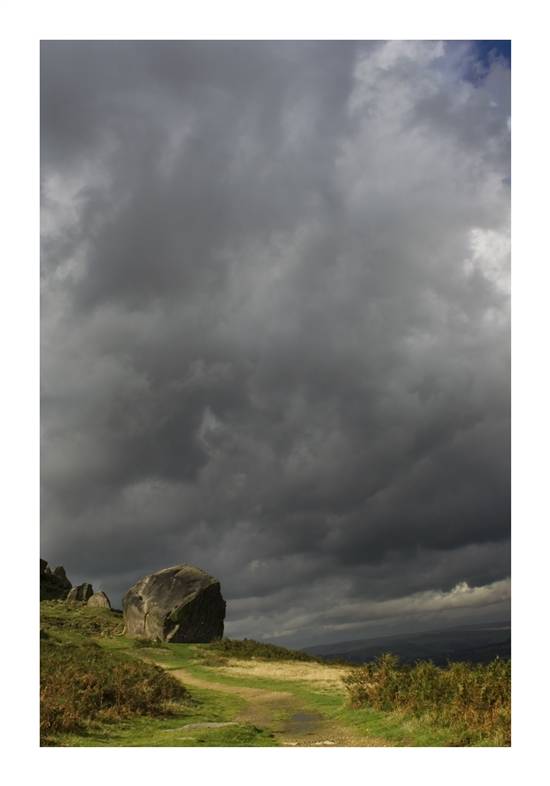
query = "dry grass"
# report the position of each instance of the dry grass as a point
(324, 676)
(473, 699)
(80, 682)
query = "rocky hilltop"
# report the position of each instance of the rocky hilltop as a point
(178, 604)
(54, 584)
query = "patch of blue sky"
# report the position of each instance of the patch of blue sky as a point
(482, 55)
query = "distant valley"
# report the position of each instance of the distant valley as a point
(478, 643)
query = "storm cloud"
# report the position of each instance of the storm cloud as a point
(275, 326)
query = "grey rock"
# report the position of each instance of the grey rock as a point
(178, 604)
(81, 593)
(99, 599)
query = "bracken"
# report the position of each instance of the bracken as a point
(473, 699)
(82, 682)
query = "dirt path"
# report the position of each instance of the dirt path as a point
(283, 714)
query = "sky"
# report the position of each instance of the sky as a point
(275, 326)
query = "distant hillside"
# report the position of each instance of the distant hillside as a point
(475, 643)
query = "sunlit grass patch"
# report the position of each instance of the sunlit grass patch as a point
(79, 619)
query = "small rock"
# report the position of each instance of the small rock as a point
(81, 593)
(99, 599)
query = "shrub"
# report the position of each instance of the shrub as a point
(82, 682)
(473, 698)
(248, 648)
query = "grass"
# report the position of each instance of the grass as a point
(86, 659)
(249, 648)
(78, 619)
(98, 688)
(398, 724)
(473, 701)
(80, 682)
(170, 730)
(162, 734)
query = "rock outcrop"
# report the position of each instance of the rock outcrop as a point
(178, 604)
(99, 599)
(81, 593)
(54, 585)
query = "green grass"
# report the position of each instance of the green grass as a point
(397, 725)
(99, 688)
(80, 682)
(77, 619)
(471, 700)
(168, 731)
(90, 641)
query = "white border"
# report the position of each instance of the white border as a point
(23, 25)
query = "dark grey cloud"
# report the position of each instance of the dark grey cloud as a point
(275, 326)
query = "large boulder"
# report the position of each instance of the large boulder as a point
(99, 599)
(81, 593)
(54, 585)
(179, 604)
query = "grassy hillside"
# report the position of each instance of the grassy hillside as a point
(99, 688)
(81, 682)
